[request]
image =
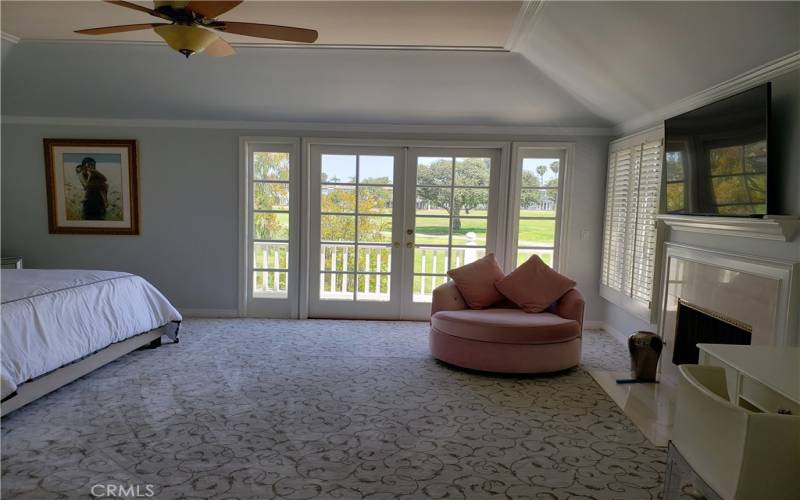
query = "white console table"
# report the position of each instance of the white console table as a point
(760, 378)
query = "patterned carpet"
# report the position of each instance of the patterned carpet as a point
(326, 409)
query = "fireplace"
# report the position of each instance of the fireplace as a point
(749, 296)
(698, 325)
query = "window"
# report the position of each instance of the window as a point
(739, 179)
(629, 233)
(270, 223)
(536, 209)
(733, 180)
(676, 159)
(268, 202)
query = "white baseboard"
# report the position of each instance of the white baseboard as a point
(234, 313)
(209, 313)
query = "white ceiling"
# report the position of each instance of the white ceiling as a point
(482, 24)
(292, 85)
(627, 59)
(592, 64)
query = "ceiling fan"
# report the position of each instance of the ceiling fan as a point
(190, 24)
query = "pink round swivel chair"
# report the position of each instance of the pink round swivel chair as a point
(506, 339)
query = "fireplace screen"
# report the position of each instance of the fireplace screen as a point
(696, 325)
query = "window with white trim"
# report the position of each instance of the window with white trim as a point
(270, 234)
(630, 231)
(536, 207)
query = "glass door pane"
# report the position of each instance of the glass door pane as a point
(356, 201)
(452, 210)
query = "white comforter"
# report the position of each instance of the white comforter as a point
(51, 318)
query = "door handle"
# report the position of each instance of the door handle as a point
(396, 244)
(409, 231)
(410, 244)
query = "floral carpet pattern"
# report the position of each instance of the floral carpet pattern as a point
(326, 409)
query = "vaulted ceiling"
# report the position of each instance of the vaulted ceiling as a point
(591, 64)
(625, 59)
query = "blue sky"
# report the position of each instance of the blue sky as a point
(343, 167)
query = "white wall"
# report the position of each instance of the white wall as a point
(189, 202)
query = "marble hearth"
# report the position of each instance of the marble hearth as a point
(751, 291)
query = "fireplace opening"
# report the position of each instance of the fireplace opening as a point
(696, 325)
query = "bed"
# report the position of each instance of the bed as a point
(58, 325)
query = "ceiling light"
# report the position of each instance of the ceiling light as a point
(187, 40)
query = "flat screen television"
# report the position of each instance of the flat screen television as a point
(716, 157)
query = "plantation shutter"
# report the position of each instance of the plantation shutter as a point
(644, 260)
(629, 233)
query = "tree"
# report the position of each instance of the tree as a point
(436, 178)
(370, 201)
(270, 166)
(541, 170)
(554, 169)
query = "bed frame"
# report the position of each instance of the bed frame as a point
(38, 387)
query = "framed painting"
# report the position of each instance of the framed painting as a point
(92, 186)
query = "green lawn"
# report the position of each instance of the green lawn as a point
(434, 230)
(532, 232)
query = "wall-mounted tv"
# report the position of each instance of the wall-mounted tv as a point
(715, 157)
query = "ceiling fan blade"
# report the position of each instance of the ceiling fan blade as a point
(210, 10)
(138, 7)
(118, 29)
(270, 31)
(220, 48)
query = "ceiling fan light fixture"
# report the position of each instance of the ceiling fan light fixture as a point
(187, 40)
(173, 4)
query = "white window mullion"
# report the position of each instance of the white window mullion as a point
(647, 209)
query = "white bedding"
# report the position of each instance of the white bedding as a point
(51, 318)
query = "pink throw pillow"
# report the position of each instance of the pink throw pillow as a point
(476, 282)
(534, 286)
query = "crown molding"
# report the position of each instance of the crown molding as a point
(744, 81)
(283, 46)
(327, 128)
(771, 227)
(9, 37)
(523, 22)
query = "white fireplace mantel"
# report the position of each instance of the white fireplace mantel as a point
(772, 227)
(733, 289)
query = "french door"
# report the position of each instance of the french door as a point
(387, 223)
(355, 232)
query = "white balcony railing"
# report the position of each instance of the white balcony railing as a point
(337, 263)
